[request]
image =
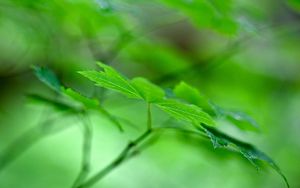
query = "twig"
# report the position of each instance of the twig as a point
(86, 150)
(152, 140)
(149, 115)
(117, 162)
(111, 118)
(126, 152)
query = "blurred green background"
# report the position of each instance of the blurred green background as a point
(242, 54)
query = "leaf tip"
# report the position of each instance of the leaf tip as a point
(101, 64)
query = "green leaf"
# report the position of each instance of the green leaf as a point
(87, 102)
(70, 100)
(148, 91)
(255, 156)
(48, 77)
(111, 79)
(240, 119)
(191, 95)
(185, 112)
(295, 4)
(141, 88)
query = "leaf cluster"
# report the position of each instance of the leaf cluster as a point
(188, 106)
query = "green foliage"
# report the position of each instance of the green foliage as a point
(140, 88)
(68, 99)
(191, 113)
(48, 77)
(240, 119)
(164, 41)
(221, 140)
(189, 110)
(111, 79)
(148, 91)
(193, 96)
(186, 112)
(295, 4)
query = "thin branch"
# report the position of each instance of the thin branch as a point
(149, 117)
(86, 150)
(129, 151)
(149, 142)
(117, 162)
(126, 152)
(111, 118)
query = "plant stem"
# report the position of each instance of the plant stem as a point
(111, 118)
(86, 151)
(115, 163)
(149, 117)
(126, 152)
